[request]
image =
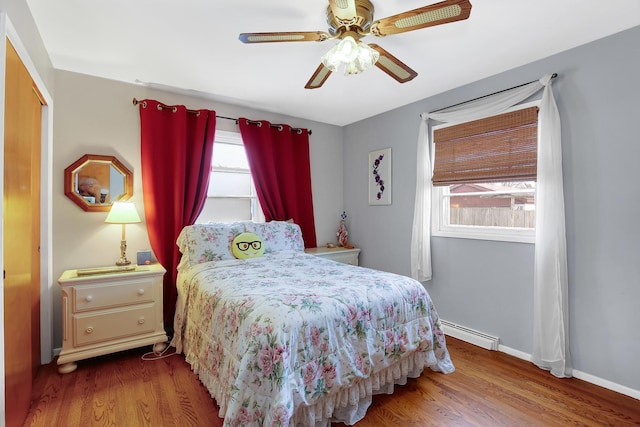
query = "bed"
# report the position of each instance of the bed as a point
(291, 339)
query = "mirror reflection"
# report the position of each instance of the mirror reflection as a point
(99, 182)
(93, 182)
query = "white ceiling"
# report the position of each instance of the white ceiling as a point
(192, 46)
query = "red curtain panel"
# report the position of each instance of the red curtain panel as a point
(279, 160)
(176, 148)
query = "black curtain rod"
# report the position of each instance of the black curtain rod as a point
(553, 76)
(273, 125)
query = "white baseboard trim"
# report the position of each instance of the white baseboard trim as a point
(56, 351)
(515, 353)
(628, 391)
(618, 388)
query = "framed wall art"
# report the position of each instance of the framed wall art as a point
(380, 177)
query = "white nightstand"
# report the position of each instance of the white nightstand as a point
(344, 255)
(105, 313)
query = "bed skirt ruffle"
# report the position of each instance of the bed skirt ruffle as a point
(350, 404)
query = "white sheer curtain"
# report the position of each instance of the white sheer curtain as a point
(551, 339)
(551, 279)
(421, 232)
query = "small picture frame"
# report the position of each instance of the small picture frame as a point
(379, 171)
(144, 257)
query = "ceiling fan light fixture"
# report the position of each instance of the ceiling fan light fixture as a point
(355, 55)
(351, 20)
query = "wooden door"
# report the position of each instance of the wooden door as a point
(21, 218)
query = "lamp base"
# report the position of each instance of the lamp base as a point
(123, 250)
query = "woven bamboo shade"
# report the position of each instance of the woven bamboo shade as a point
(500, 148)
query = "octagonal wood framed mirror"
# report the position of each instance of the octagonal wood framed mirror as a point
(94, 182)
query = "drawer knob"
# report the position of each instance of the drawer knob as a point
(89, 298)
(141, 321)
(89, 329)
(140, 291)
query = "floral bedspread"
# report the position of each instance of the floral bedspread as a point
(288, 338)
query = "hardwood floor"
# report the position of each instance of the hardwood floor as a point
(488, 389)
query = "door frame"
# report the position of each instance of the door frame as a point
(8, 31)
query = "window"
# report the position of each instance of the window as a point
(231, 195)
(484, 177)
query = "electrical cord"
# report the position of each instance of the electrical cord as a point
(155, 355)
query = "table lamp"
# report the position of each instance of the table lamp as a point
(123, 213)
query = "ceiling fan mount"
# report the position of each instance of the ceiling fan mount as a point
(351, 20)
(360, 23)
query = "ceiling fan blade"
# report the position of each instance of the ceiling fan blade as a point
(344, 11)
(318, 78)
(301, 36)
(393, 66)
(422, 17)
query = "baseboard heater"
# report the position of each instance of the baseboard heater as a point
(470, 335)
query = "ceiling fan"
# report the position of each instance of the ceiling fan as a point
(351, 20)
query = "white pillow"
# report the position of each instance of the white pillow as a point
(200, 243)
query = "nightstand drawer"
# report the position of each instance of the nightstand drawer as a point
(95, 297)
(345, 258)
(339, 254)
(94, 328)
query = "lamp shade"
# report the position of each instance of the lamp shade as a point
(122, 213)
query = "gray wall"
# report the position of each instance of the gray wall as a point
(488, 285)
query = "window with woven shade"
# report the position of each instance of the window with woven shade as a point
(494, 149)
(484, 177)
